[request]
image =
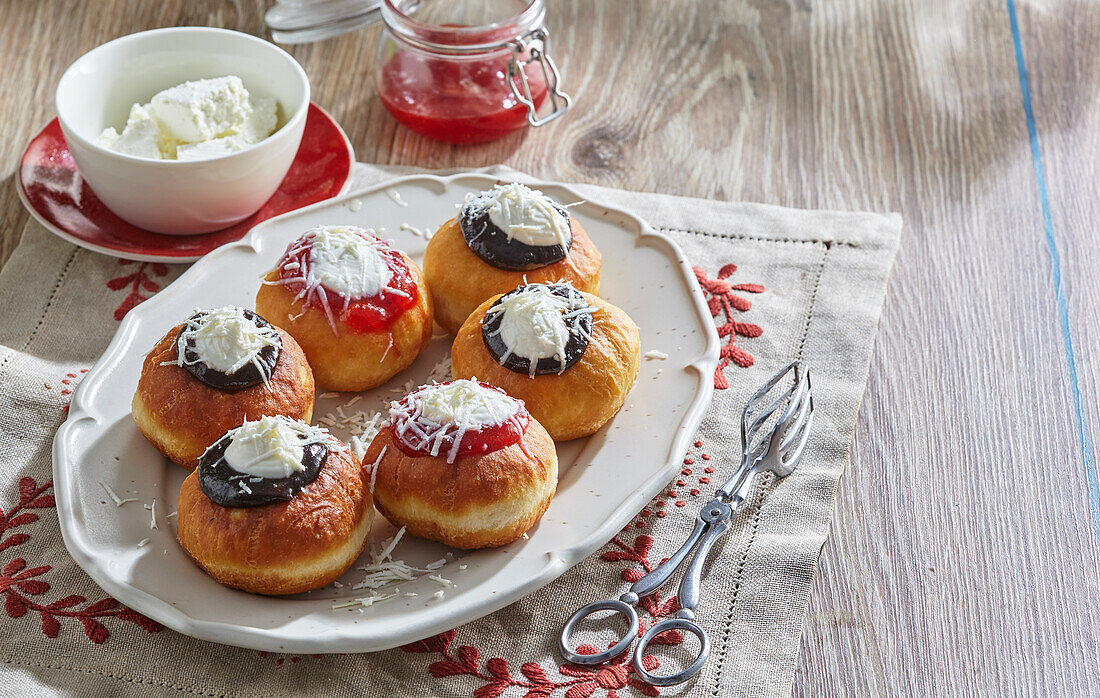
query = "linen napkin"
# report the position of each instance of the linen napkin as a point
(781, 284)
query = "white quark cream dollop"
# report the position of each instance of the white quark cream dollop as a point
(271, 447)
(435, 414)
(533, 323)
(194, 121)
(225, 339)
(349, 260)
(464, 403)
(524, 214)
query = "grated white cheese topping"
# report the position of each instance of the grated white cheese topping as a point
(434, 414)
(152, 509)
(654, 354)
(347, 260)
(118, 501)
(425, 233)
(395, 196)
(523, 214)
(272, 447)
(225, 340)
(533, 323)
(374, 468)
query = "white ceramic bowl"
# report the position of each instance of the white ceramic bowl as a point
(168, 196)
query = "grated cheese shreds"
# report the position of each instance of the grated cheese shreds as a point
(114, 497)
(374, 471)
(152, 508)
(349, 261)
(225, 340)
(361, 603)
(655, 354)
(441, 414)
(533, 322)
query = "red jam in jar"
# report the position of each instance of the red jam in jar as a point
(367, 314)
(465, 72)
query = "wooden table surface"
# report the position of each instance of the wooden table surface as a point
(964, 556)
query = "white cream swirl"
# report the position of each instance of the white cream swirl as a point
(523, 214)
(226, 340)
(349, 260)
(272, 447)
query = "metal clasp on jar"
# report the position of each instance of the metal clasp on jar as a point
(535, 45)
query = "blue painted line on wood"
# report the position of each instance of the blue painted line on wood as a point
(1056, 273)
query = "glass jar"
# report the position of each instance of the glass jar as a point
(467, 72)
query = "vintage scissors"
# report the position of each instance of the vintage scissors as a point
(776, 450)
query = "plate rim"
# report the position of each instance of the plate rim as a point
(337, 639)
(164, 258)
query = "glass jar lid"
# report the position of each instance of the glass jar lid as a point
(305, 21)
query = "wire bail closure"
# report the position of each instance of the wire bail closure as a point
(536, 44)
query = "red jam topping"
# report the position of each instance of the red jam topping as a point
(456, 101)
(457, 418)
(367, 314)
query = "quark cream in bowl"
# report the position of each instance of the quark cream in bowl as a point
(168, 126)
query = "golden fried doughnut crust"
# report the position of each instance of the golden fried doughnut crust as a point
(479, 501)
(581, 399)
(350, 360)
(460, 280)
(285, 547)
(182, 416)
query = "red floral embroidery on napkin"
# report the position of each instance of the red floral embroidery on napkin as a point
(137, 281)
(19, 583)
(580, 681)
(68, 385)
(294, 659)
(722, 299)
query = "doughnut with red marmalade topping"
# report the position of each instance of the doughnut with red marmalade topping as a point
(462, 463)
(358, 307)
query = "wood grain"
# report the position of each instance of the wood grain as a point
(963, 558)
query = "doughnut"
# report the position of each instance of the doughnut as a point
(275, 507)
(210, 372)
(462, 463)
(570, 356)
(500, 239)
(358, 307)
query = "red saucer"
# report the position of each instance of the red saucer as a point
(57, 196)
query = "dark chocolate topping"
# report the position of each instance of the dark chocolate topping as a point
(221, 483)
(580, 328)
(246, 376)
(491, 244)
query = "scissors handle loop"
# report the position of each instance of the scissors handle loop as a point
(682, 675)
(620, 607)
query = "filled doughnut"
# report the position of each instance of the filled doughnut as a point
(276, 506)
(210, 372)
(500, 239)
(462, 463)
(358, 307)
(570, 356)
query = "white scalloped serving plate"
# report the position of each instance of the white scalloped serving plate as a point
(604, 480)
